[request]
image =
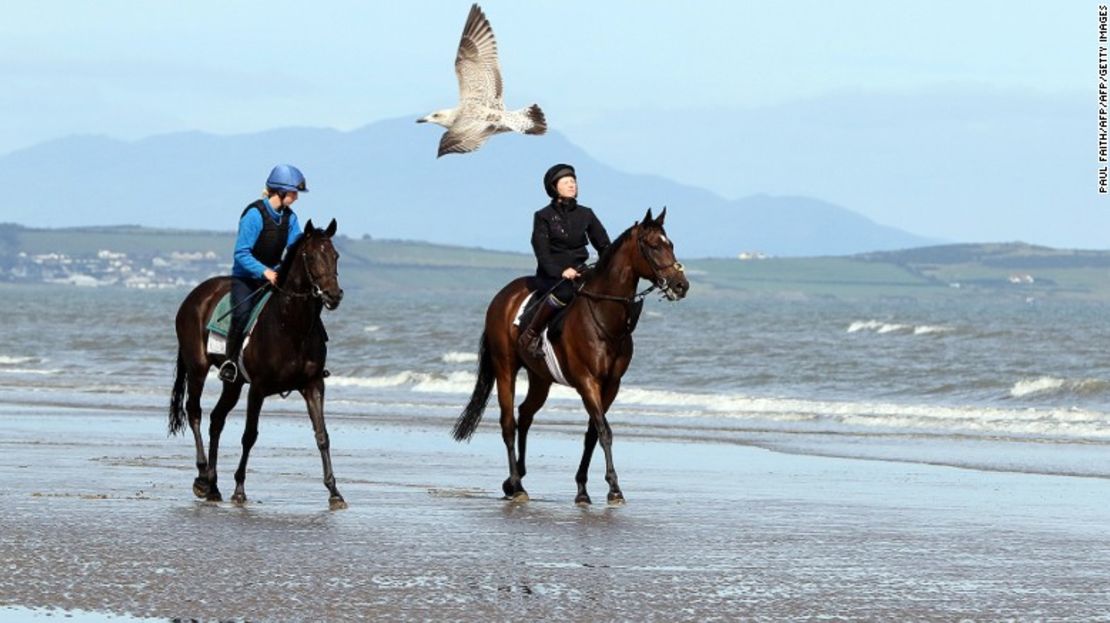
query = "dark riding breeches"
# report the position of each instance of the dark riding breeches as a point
(564, 288)
(241, 288)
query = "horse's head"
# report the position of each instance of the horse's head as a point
(656, 261)
(319, 261)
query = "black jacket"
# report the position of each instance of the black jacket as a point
(559, 236)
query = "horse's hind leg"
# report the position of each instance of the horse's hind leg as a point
(250, 435)
(538, 389)
(192, 408)
(228, 399)
(314, 398)
(506, 389)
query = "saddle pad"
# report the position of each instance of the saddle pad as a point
(220, 322)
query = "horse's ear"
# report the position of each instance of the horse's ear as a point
(662, 215)
(647, 218)
(309, 228)
(330, 231)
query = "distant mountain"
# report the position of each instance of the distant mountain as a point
(384, 180)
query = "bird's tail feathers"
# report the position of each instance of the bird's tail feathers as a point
(538, 123)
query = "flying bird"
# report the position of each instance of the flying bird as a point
(481, 111)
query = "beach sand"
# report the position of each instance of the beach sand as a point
(97, 515)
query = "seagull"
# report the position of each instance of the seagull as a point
(481, 111)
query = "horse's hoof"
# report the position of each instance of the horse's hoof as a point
(239, 499)
(583, 500)
(616, 499)
(200, 488)
(337, 504)
(520, 497)
(507, 488)
(214, 496)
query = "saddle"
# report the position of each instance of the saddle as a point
(219, 324)
(555, 327)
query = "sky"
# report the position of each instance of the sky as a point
(713, 94)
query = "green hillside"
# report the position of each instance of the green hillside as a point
(997, 270)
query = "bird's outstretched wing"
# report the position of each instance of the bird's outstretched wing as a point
(476, 63)
(465, 136)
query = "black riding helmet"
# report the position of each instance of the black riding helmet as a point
(553, 175)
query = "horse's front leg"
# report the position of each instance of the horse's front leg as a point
(250, 435)
(227, 401)
(583, 475)
(597, 401)
(314, 397)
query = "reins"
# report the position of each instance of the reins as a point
(628, 301)
(316, 292)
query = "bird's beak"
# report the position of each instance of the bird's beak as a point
(422, 120)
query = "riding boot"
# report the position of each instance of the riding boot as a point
(229, 371)
(530, 338)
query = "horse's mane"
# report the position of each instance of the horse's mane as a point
(287, 261)
(606, 257)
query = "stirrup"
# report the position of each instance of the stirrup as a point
(229, 372)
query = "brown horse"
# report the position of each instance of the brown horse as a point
(287, 353)
(593, 352)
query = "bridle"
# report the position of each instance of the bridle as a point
(315, 291)
(630, 302)
(658, 281)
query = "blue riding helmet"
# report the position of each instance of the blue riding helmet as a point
(286, 177)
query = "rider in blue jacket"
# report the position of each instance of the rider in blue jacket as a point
(267, 228)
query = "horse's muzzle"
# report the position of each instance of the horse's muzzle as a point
(676, 290)
(331, 301)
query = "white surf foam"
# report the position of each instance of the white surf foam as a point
(1042, 385)
(796, 413)
(1066, 423)
(455, 382)
(928, 329)
(1047, 385)
(457, 357)
(9, 360)
(37, 371)
(880, 327)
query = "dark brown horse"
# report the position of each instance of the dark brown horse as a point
(287, 352)
(593, 352)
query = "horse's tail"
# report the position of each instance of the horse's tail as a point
(177, 410)
(472, 414)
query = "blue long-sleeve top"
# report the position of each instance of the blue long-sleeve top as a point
(250, 226)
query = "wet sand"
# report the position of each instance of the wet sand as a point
(97, 514)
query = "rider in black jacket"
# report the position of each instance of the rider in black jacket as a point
(560, 232)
